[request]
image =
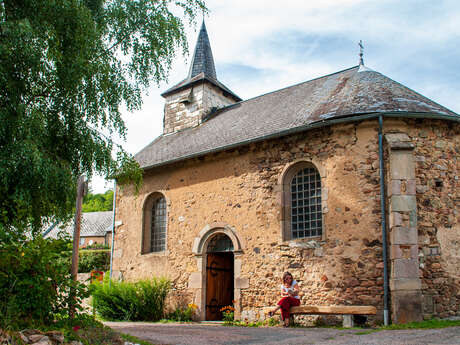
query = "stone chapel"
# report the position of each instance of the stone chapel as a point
(238, 191)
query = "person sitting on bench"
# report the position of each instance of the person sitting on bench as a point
(290, 298)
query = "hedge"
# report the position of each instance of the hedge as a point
(93, 260)
(123, 301)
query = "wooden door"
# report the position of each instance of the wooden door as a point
(219, 284)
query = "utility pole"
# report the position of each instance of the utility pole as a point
(81, 191)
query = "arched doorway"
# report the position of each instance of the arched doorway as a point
(219, 275)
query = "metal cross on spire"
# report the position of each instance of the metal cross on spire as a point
(361, 50)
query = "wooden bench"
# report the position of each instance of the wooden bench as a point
(346, 310)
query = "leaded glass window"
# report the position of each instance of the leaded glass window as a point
(158, 226)
(306, 214)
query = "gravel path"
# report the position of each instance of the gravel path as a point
(196, 334)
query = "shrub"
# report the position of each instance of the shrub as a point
(183, 314)
(140, 301)
(90, 260)
(35, 280)
(227, 314)
(97, 246)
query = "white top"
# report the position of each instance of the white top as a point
(291, 289)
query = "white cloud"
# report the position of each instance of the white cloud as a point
(415, 42)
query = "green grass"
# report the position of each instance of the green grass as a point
(247, 324)
(134, 339)
(433, 323)
(171, 321)
(367, 332)
(427, 324)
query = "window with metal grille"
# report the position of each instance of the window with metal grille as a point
(220, 243)
(158, 226)
(306, 214)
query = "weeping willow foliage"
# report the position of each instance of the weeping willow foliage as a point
(67, 67)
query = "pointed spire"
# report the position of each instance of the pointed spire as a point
(202, 61)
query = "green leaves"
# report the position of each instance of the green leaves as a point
(98, 202)
(140, 301)
(67, 68)
(93, 260)
(34, 280)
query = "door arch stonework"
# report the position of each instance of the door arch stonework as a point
(197, 280)
(201, 241)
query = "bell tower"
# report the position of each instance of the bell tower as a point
(194, 99)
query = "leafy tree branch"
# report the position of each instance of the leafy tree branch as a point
(67, 69)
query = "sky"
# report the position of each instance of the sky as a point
(261, 46)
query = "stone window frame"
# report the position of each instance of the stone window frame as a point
(147, 223)
(284, 181)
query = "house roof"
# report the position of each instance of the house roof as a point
(200, 78)
(357, 92)
(93, 224)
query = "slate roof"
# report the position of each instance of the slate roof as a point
(186, 83)
(357, 91)
(202, 61)
(93, 224)
(202, 67)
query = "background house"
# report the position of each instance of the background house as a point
(96, 228)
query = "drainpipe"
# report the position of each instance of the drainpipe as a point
(384, 225)
(113, 228)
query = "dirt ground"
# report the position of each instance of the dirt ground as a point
(196, 334)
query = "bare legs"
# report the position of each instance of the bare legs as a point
(273, 312)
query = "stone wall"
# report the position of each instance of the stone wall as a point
(437, 170)
(187, 108)
(437, 155)
(241, 188)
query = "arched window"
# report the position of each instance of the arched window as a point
(302, 211)
(154, 227)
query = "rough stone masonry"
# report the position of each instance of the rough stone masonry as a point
(241, 189)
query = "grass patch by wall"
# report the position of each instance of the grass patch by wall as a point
(433, 323)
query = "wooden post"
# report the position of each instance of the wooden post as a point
(81, 187)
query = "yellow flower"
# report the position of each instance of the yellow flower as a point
(22, 254)
(193, 306)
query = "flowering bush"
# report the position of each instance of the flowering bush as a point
(228, 313)
(183, 314)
